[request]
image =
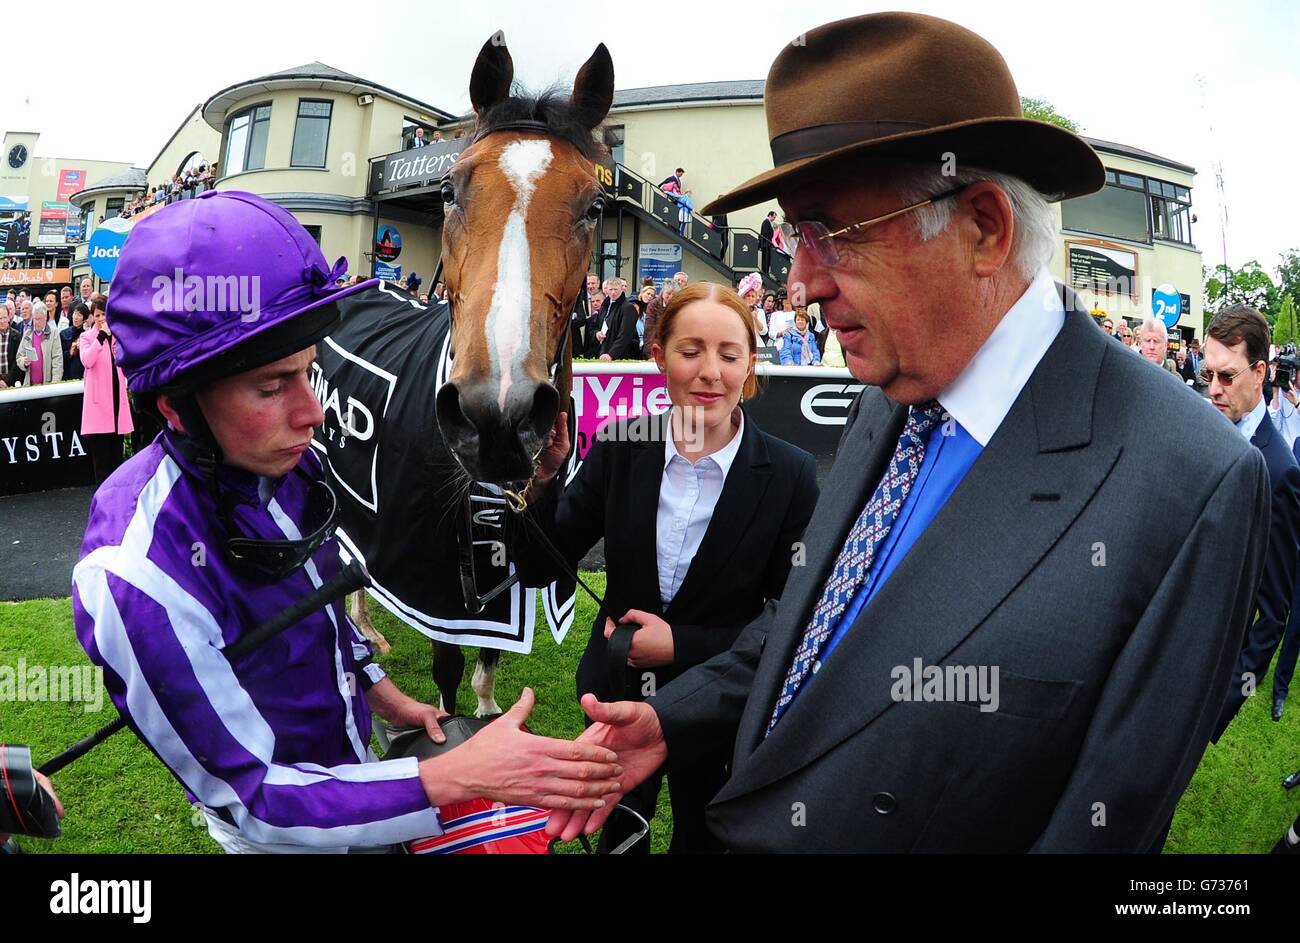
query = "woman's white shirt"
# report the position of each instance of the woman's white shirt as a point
(688, 496)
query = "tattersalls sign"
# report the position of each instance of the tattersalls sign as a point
(419, 166)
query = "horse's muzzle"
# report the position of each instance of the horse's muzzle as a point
(496, 445)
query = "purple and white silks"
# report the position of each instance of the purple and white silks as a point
(275, 744)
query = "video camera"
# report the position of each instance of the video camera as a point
(1287, 366)
(25, 807)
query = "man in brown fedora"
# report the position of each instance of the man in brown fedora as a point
(988, 646)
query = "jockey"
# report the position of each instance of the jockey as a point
(226, 519)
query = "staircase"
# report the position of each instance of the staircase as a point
(732, 253)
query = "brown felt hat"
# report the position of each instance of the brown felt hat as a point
(903, 86)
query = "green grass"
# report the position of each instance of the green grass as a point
(119, 798)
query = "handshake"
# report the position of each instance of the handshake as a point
(579, 780)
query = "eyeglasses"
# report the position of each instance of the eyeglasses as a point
(821, 240)
(1225, 379)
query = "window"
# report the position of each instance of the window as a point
(1171, 220)
(615, 139)
(193, 161)
(114, 207)
(608, 259)
(1113, 211)
(311, 134)
(408, 132)
(1171, 211)
(246, 140)
(314, 232)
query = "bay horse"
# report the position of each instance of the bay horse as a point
(522, 206)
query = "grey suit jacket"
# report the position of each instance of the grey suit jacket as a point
(1113, 620)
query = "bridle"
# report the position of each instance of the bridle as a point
(516, 501)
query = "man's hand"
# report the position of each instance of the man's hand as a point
(44, 782)
(632, 729)
(652, 644)
(556, 451)
(402, 711)
(606, 357)
(505, 763)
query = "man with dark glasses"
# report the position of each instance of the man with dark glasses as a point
(1234, 367)
(225, 520)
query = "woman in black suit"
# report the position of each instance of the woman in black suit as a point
(701, 512)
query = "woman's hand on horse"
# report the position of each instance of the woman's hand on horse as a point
(556, 451)
(506, 763)
(652, 644)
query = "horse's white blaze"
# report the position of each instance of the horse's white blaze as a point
(508, 317)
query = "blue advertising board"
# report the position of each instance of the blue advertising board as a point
(659, 261)
(106, 245)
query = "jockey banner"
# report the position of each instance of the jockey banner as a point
(40, 448)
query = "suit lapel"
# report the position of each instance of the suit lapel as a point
(1263, 433)
(1037, 474)
(646, 475)
(738, 505)
(863, 453)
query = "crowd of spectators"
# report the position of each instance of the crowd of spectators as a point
(182, 186)
(58, 319)
(65, 335)
(617, 325)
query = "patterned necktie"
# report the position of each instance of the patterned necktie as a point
(859, 552)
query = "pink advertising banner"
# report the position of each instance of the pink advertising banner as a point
(806, 406)
(601, 397)
(70, 182)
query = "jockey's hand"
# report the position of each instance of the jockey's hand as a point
(556, 451)
(386, 700)
(506, 763)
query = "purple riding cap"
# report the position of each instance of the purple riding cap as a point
(239, 267)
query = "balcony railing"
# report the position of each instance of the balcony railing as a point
(736, 247)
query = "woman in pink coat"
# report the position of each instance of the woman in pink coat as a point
(105, 410)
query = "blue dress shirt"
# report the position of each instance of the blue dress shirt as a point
(949, 454)
(976, 403)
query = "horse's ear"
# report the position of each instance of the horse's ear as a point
(593, 89)
(494, 70)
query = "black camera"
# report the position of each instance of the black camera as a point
(25, 807)
(1288, 364)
